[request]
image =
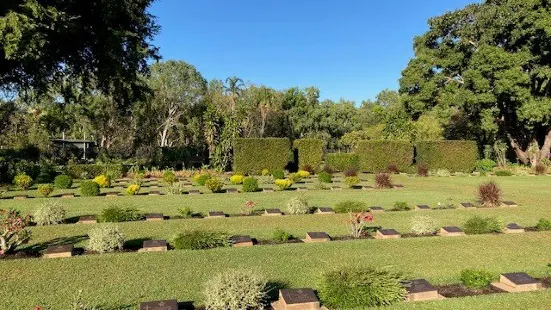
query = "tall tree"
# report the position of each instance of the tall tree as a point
(488, 64)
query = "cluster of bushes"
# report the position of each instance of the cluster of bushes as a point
(200, 240)
(87, 171)
(115, 214)
(350, 206)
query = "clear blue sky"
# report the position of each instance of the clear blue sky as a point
(349, 49)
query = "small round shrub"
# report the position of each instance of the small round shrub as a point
(115, 214)
(401, 206)
(106, 238)
(422, 226)
(308, 168)
(63, 181)
(489, 194)
(422, 170)
(383, 180)
(352, 172)
(303, 174)
(102, 180)
(392, 168)
(540, 169)
(89, 189)
(283, 184)
(23, 181)
(295, 177)
(45, 189)
(352, 181)
(237, 179)
(324, 177)
(133, 189)
(250, 184)
(236, 289)
(476, 279)
(265, 172)
(281, 235)
(186, 212)
(543, 225)
(360, 287)
(482, 225)
(298, 205)
(214, 184)
(169, 177)
(350, 206)
(278, 174)
(503, 173)
(485, 165)
(50, 213)
(200, 240)
(201, 178)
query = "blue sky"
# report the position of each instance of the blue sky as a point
(349, 49)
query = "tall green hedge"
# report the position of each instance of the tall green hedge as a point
(253, 155)
(90, 171)
(376, 156)
(454, 155)
(342, 161)
(310, 152)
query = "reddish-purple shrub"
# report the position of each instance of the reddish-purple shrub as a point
(383, 180)
(489, 194)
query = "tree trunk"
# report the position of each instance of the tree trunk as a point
(546, 148)
(521, 154)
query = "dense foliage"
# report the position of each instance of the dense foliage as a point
(253, 155)
(310, 152)
(376, 156)
(455, 156)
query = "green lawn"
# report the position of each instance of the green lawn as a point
(181, 274)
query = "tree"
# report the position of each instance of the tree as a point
(488, 63)
(178, 87)
(103, 42)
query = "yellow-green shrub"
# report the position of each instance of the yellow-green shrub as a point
(304, 174)
(283, 184)
(237, 179)
(265, 172)
(102, 180)
(133, 189)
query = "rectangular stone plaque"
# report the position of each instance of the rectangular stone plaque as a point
(159, 305)
(242, 241)
(451, 231)
(467, 205)
(87, 219)
(376, 209)
(68, 195)
(397, 186)
(422, 207)
(517, 282)
(317, 237)
(421, 289)
(367, 188)
(57, 251)
(267, 190)
(509, 204)
(111, 194)
(272, 212)
(513, 228)
(336, 188)
(213, 214)
(154, 246)
(187, 183)
(387, 234)
(154, 193)
(232, 190)
(325, 210)
(302, 189)
(154, 217)
(194, 192)
(20, 197)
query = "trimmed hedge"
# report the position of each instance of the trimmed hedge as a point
(454, 155)
(376, 156)
(310, 152)
(253, 155)
(342, 161)
(90, 171)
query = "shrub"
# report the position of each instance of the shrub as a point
(200, 240)
(89, 188)
(324, 177)
(423, 225)
(350, 206)
(351, 173)
(278, 174)
(342, 161)
(383, 180)
(298, 205)
(248, 207)
(281, 235)
(319, 185)
(237, 179)
(106, 238)
(265, 172)
(543, 225)
(303, 174)
(201, 178)
(295, 177)
(422, 170)
(503, 173)
(215, 184)
(357, 221)
(89, 170)
(310, 151)
(186, 212)
(401, 206)
(308, 168)
(392, 168)
(352, 181)
(455, 156)
(250, 184)
(63, 181)
(283, 184)
(485, 165)
(133, 189)
(45, 189)
(175, 189)
(115, 214)
(376, 156)
(482, 225)
(489, 194)
(103, 181)
(23, 181)
(13, 230)
(476, 279)
(540, 169)
(50, 213)
(236, 289)
(252, 155)
(441, 173)
(360, 287)
(169, 177)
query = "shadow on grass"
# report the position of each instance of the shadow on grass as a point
(135, 244)
(273, 289)
(39, 247)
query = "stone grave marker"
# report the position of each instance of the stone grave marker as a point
(297, 299)
(68, 195)
(154, 246)
(57, 251)
(376, 209)
(87, 219)
(302, 189)
(159, 305)
(397, 186)
(421, 290)
(451, 231)
(367, 188)
(317, 237)
(517, 282)
(467, 205)
(422, 208)
(387, 234)
(111, 194)
(216, 214)
(194, 192)
(513, 228)
(241, 241)
(272, 212)
(187, 183)
(267, 190)
(336, 188)
(232, 190)
(154, 193)
(509, 204)
(154, 217)
(20, 197)
(325, 210)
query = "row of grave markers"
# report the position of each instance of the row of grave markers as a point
(417, 290)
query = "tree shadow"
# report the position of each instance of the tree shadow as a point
(71, 220)
(135, 244)
(39, 247)
(273, 289)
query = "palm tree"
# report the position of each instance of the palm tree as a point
(234, 87)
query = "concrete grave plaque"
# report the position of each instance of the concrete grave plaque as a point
(421, 289)
(154, 246)
(216, 214)
(422, 207)
(376, 209)
(154, 217)
(159, 305)
(68, 195)
(336, 188)
(154, 193)
(302, 189)
(367, 188)
(387, 234)
(187, 183)
(111, 194)
(325, 210)
(87, 219)
(517, 282)
(467, 205)
(513, 228)
(267, 190)
(232, 191)
(20, 197)
(241, 241)
(317, 237)
(509, 204)
(297, 299)
(57, 251)
(194, 192)
(451, 231)
(272, 212)
(397, 186)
